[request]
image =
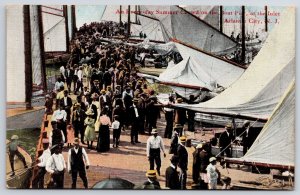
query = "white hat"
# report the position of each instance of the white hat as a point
(211, 159)
(154, 131)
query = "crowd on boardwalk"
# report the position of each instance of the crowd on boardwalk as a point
(110, 96)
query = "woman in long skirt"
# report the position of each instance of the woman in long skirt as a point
(89, 134)
(103, 138)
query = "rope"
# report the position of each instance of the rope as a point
(235, 139)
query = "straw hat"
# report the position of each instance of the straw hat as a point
(89, 112)
(211, 159)
(96, 81)
(103, 91)
(199, 146)
(179, 100)
(182, 139)
(151, 173)
(154, 131)
(228, 126)
(135, 100)
(76, 105)
(14, 137)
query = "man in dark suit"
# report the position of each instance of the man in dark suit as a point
(78, 117)
(66, 103)
(69, 73)
(172, 178)
(183, 162)
(135, 121)
(225, 141)
(248, 136)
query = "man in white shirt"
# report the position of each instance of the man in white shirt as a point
(76, 163)
(38, 181)
(60, 116)
(56, 167)
(79, 81)
(154, 145)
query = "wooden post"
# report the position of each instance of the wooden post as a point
(42, 47)
(266, 18)
(28, 61)
(221, 19)
(243, 35)
(136, 11)
(65, 12)
(128, 22)
(73, 14)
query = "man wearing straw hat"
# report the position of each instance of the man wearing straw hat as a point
(183, 162)
(13, 151)
(152, 180)
(154, 145)
(76, 163)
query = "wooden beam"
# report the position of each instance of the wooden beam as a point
(28, 60)
(120, 16)
(73, 15)
(128, 22)
(266, 18)
(42, 47)
(221, 19)
(273, 166)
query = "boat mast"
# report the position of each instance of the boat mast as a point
(65, 13)
(128, 22)
(28, 61)
(243, 35)
(266, 18)
(221, 19)
(120, 18)
(73, 13)
(136, 10)
(42, 47)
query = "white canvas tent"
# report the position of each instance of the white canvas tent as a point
(275, 145)
(259, 89)
(181, 25)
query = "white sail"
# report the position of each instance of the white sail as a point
(259, 89)
(185, 27)
(15, 63)
(152, 29)
(35, 46)
(200, 69)
(276, 142)
(54, 27)
(208, 13)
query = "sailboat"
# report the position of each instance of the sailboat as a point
(26, 77)
(275, 145)
(256, 93)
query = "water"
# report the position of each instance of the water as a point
(28, 139)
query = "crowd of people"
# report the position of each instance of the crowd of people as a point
(111, 96)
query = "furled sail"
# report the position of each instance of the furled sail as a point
(178, 24)
(276, 142)
(258, 90)
(200, 69)
(54, 27)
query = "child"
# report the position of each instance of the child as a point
(70, 135)
(116, 131)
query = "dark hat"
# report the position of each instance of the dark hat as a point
(174, 158)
